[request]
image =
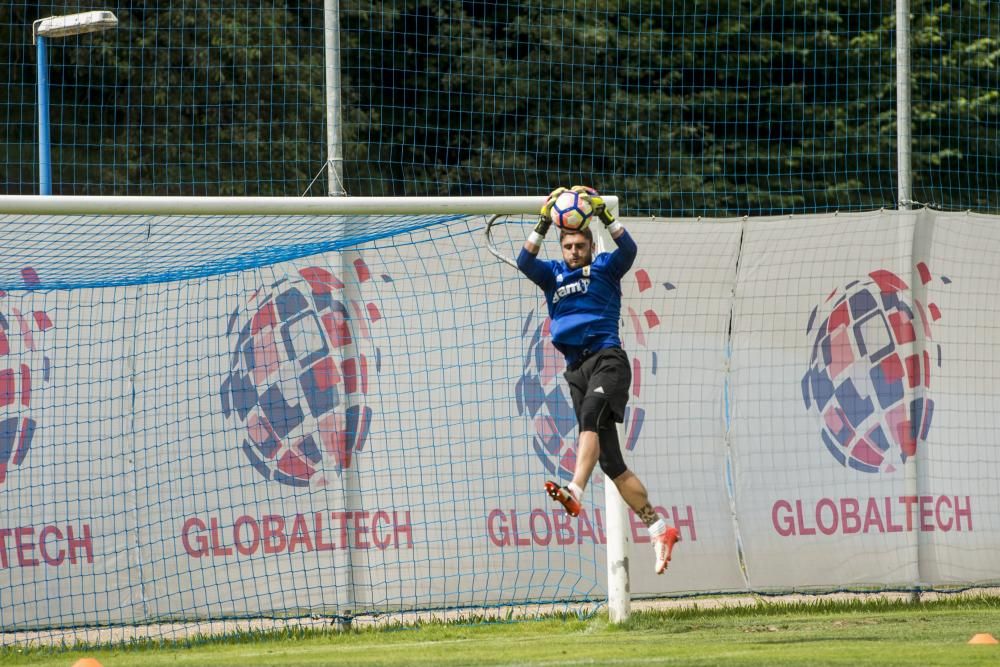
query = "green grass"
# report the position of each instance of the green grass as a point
(827, 633)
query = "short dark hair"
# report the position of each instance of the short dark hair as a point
(585, 232)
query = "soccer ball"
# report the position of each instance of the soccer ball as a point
(572, 211)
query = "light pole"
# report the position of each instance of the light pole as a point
(54, 27)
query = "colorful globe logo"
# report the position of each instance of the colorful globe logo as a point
(543, 396)
(869, 373)
(301, 370)
(25, 366)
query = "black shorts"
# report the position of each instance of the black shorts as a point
(599, 385)
(608, 371)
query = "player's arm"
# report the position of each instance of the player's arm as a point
(623, 257)
(527, 261)
(534, 242)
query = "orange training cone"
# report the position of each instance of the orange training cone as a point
(981, 638)
(91, 662)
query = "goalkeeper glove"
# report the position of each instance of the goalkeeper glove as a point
(597, 201)
(545, 214)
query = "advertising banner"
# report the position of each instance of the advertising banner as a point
(339, 431)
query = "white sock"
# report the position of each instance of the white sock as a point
(576, 491)
(658, 528)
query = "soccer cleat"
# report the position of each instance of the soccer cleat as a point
(663, 546)
(563, 495)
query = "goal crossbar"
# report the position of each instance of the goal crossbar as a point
(70, 205)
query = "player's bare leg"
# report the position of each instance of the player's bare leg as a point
(587, 453)
(664, 537)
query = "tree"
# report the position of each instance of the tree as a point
(713, 108)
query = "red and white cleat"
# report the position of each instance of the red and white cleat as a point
(564, 496)
(663, 546)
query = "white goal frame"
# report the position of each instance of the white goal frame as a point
(619, 599)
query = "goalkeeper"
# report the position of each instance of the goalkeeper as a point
(583, 294)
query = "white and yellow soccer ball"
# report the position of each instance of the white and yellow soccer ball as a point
(572, 211)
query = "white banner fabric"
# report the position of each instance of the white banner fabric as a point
(371, 429)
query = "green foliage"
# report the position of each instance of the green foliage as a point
(715, 107)
(212, 101)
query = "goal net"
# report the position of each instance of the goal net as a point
(234, 415)
(224, 409)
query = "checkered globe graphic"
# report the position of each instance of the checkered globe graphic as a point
(543, 395)
(868, 383)
(301, 363)
(25, 367)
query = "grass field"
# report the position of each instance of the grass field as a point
(826, 633)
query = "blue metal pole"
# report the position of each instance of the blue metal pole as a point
(44, 145)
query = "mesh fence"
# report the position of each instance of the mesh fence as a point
(714, 108)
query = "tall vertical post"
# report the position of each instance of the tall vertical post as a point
(44, 144)
(616, 517)
(352, 288)
(615, 510)
(904, 180)
(334, 115)
(904, 132)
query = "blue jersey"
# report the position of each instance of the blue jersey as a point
(585, 304)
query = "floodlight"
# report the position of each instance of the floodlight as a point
(74, 24)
